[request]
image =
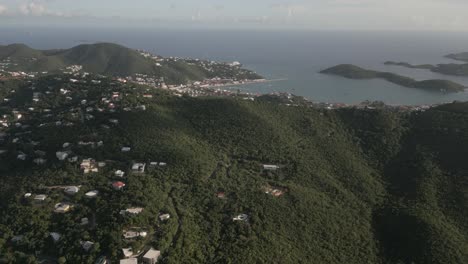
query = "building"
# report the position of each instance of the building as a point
(126, 149)
(72, 190)
(40, 197)
(134, 211)
(87, 245)
(119, 173)
(127, 252)
(129, 261)
(270, 167)
(118, 185)
(138, 167)
(89, 165)
(164, 217)
(151, 256)
(62, 208)
(61, 155)
(92, 194)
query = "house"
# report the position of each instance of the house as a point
(92, 194)
(61, 155)
(119, 173)
(270, 167)
(55, 236)
(27, 195)
(118, 185)
(87, 245)
(62, 208)
(129, 261)
(221, 195)
(151, 256)
(138, 167)
(22, 156)
(39, 161)
(89, 165)
(134, 211)
(127, 252)
(164, 217)
(126, 149)
(133, 234)
(241, 217)
(84, 221)
(72, 190)
(40, 197)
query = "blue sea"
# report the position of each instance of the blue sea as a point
(296, 57)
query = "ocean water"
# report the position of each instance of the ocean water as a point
(294, 56)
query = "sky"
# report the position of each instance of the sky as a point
(430, 15)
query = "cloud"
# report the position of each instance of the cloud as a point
(37, 8)
(3, 9)
(32, 8)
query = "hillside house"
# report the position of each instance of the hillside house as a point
(92, 194)
(88, 166)
(118, 185)
(61, 155)
(40, 197)
(129, 261)
(119, 173)
(72, 190)
(87, 245)
(134, 211)
(270, 167)
(151, 256)
(62, 208)
(164, 217)
(138, 167)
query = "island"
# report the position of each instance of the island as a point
(354, 72)
(462, 56)
(447, 69)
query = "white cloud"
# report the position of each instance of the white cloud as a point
(3, 9)
(32, 8)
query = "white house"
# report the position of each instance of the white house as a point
(61, 155)
(72, 190)
(270, 167)
(151, 256)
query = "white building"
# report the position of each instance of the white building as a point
(152, 256)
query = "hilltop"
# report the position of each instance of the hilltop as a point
(186, 176)
(354, 72)
(115, 60)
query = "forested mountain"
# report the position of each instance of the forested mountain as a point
(352, 185)
(115, 60)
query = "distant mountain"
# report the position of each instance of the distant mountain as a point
(115, 60)
(355, 72)
(448, 69)
(463, 56)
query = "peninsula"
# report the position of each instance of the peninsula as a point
(354, 72)
(447, 69)
(114, 60)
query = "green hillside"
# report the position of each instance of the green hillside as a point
(354, 72)
(361, 186)
(115, 60)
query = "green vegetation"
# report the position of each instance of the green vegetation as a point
(115, 60)
(364, 186)
(407, 65)
(463, 56)
(448, 69)
(355, 72)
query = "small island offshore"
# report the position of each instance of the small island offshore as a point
(354, 72)
(447, 69)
